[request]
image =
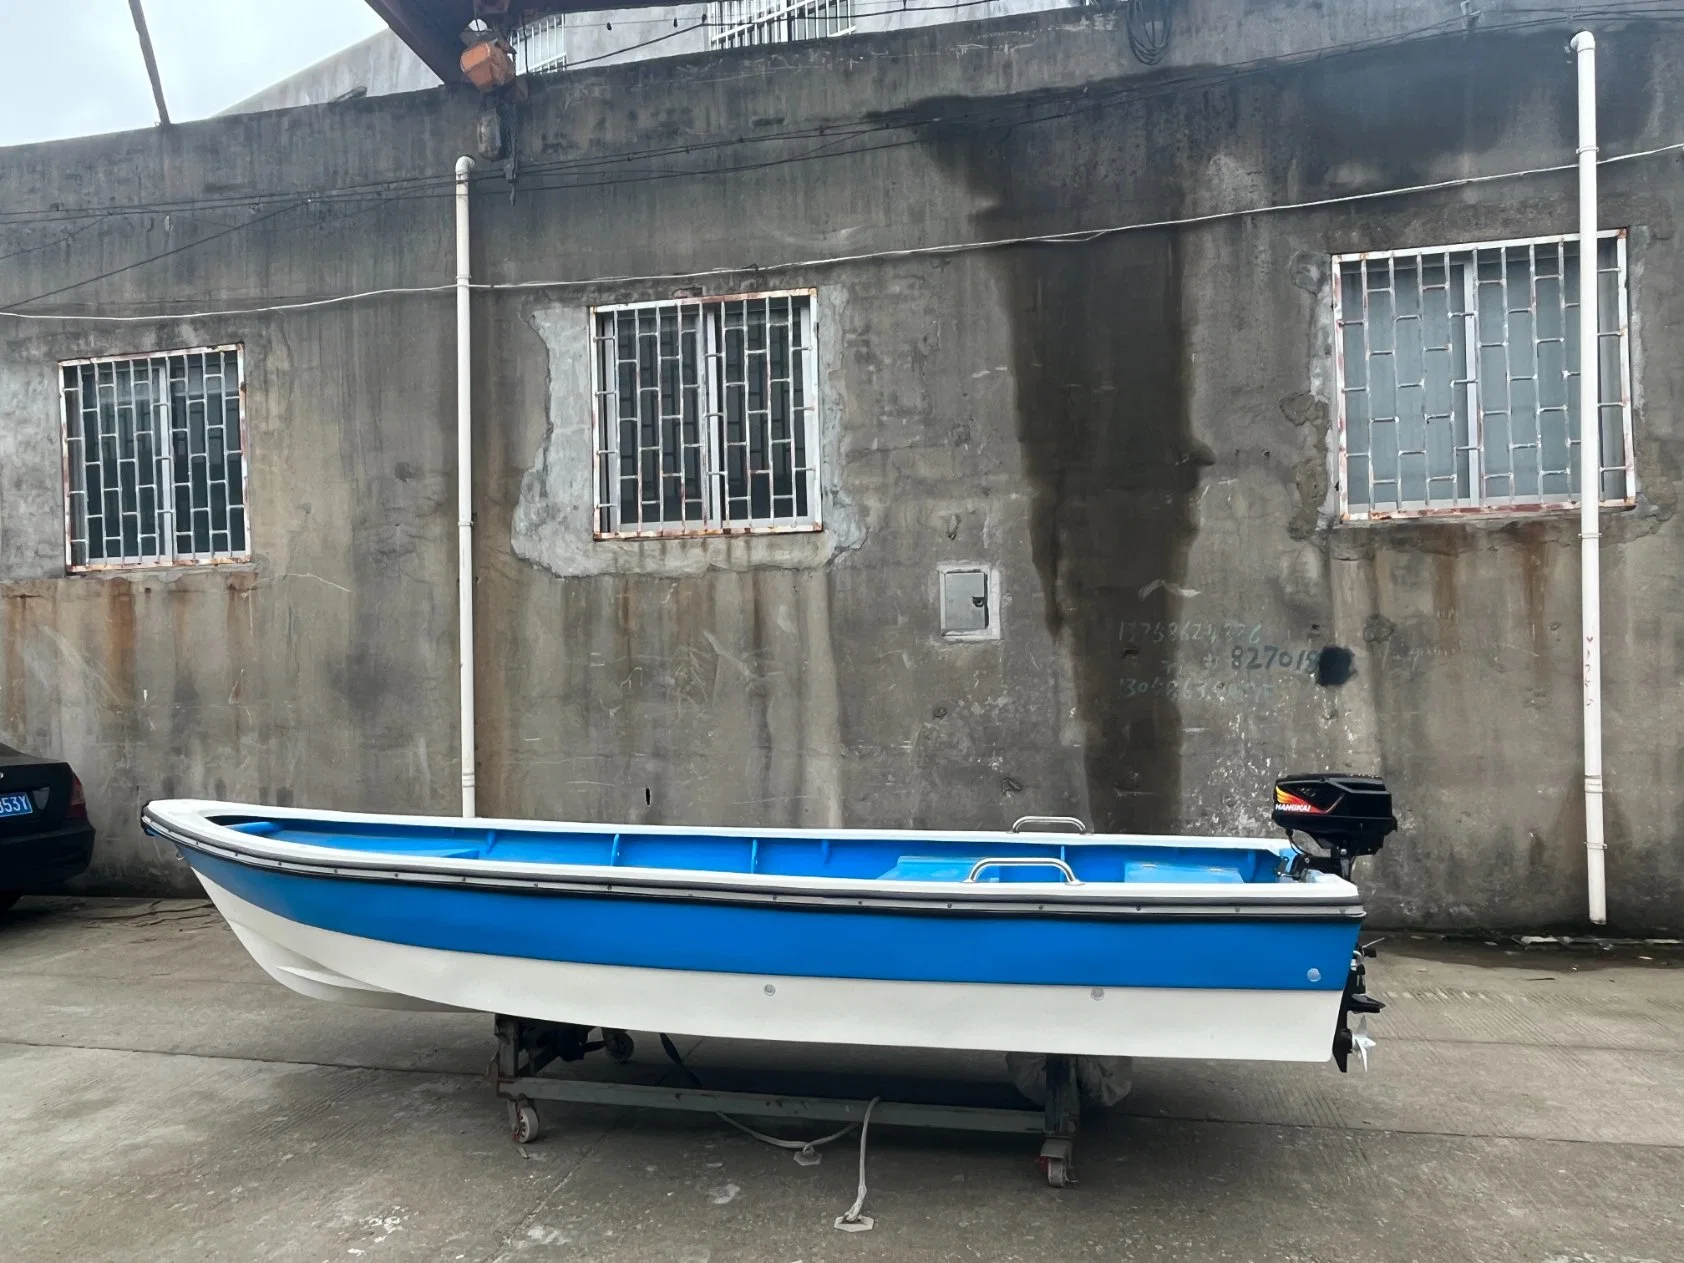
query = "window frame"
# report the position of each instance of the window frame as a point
(743, 24)
(606, 520)
(164, 457)
(548, 28)
(1480, 506)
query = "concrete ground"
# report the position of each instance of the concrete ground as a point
(161, 1099)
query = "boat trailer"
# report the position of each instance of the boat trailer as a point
(526, 1048)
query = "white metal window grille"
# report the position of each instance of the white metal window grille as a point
(706, 416)
(1458, 373)
(154, 459)
(541, 45)
(742, 23)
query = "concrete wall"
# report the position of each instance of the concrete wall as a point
(377, 66)
(1134, 431)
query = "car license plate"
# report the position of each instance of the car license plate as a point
(15, 805)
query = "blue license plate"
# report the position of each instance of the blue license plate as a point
(15, 805)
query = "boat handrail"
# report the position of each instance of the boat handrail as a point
(1024, 861)
(1068, 821)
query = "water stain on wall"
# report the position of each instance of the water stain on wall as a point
(1099, 363)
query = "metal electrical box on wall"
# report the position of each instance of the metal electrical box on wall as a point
(969, 602)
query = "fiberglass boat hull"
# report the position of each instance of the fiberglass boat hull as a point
(1053, 970)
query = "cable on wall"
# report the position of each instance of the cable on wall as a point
(1148, 23)
(1074, 237)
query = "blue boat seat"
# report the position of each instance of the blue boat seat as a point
(930, 868)
(1157, 871)
(949, 868)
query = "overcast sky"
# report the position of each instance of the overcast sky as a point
(74, 66)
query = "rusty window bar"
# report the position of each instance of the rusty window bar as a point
(705, 416)
(1456, 374)
(154, 459)
(745, 23)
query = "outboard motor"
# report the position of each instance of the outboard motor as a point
(1347, 817)
(1350, 816)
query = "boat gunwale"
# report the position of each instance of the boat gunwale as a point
(1324, 896)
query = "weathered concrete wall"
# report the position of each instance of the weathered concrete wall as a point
(320, 673)
(380, 65)
(1134, 431)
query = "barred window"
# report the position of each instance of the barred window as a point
(742, 23)
(541, 45)
(706, 416)
(1458, 378)
(154, 452)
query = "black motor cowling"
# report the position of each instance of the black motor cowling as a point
(1349, 816)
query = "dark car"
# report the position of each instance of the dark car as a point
(45, 834)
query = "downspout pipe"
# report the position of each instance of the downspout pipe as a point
(1590, 483)
(464, 488)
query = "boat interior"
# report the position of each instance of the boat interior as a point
(847, 855)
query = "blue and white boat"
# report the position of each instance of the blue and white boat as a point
(1096, 945)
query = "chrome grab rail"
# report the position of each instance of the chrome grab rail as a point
(1025, 861)
(1066, 821)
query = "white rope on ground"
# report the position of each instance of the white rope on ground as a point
(806, 1150)
(851, 1220)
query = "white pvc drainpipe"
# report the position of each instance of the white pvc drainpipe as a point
(1590, 483)
(464, 488)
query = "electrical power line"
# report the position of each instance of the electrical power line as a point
(438, 185)
(1128, 92)
(1150, 25)
(446, 179)
(836, 143)
(632, 48)
(61, 239)
(1075, 237)
(188, 245)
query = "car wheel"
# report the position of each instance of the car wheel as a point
(8, 898)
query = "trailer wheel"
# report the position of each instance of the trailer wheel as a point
(523, 1121)
(1058, 1174)
(1057, 1161)
(618, 1045)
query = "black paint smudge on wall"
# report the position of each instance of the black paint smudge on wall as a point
(1100, 368)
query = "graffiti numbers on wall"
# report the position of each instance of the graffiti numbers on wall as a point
(1194, 689)
(1274, 658)
(1228, 630)
(1227, 661)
